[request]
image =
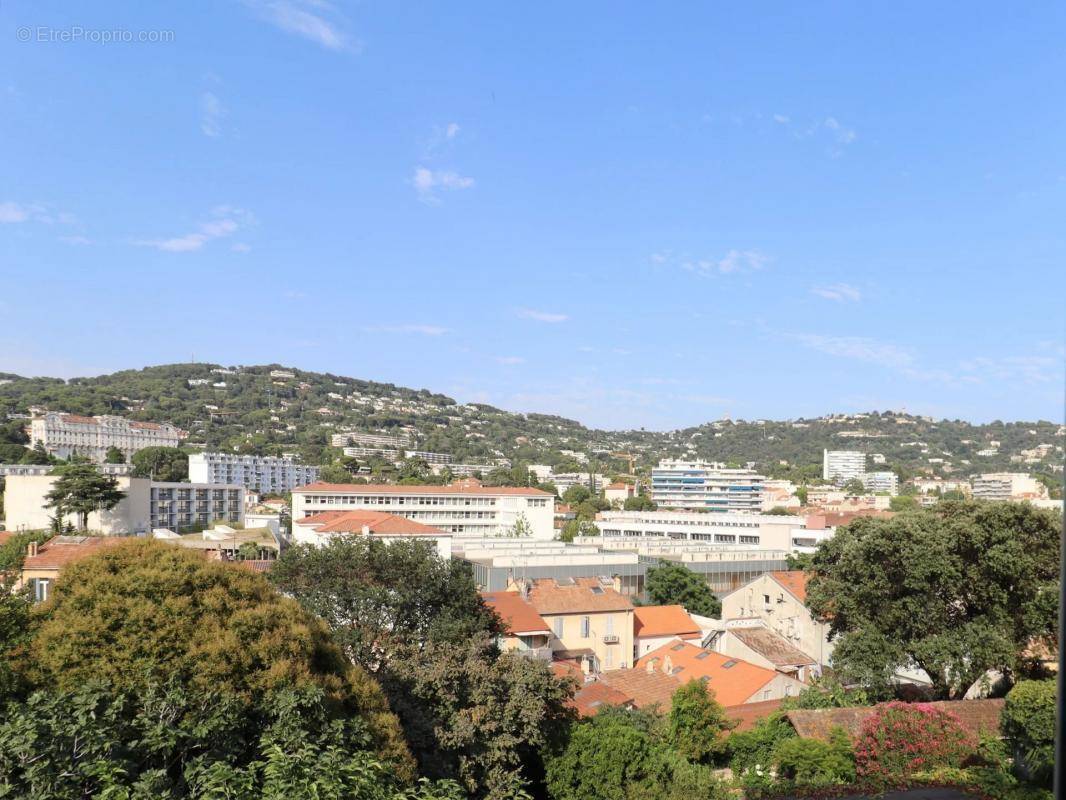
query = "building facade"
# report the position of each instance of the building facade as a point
(743, 530)
(882, 481)
(1008, 486)
(706, 486)
(263, 474)
(841, 466)
(64, 435)
(357, 439)
(465, 507)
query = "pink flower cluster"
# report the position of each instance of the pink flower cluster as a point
(901, 738)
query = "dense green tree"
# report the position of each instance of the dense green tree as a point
(477, 716)
(755, 750)
(81, 489)
(114, 456)
(578, 493)
(815, 763)
(780, 511)
(675, 584)
(578, 527)
(377, 597)
(903, 502)
(640, 502)
(854, 486)
(161, 464)
(697, 724)
(955, 590)
(37, 455)
(1028, 725)
(141, 612)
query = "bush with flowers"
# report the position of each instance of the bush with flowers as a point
(900, 739)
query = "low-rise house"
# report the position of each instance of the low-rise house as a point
(618, 492)
(654, 626)
(318, 529)
(644, 688)
(752, 640)
(591, 621)
(779, 600)
(44, 561)
(733, 681)
(590, 698)
(223, 543)
(525, 631)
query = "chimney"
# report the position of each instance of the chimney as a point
(31, 551)
(668, 665)
(525, 589)
(652, 664)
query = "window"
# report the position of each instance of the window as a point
(40, 589)
(610, 625)
(557, 627)
(608, 660)
(585, 625)
(766, 695)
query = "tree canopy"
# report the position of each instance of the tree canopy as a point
(955, 590)
(676, 584)
(161, 464)
(81, 489)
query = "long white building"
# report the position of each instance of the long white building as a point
(1008, 486)
(263, 474)
(881, 481)
(465, 507)
(777, 532)
(841, 466)
(706, 486)
(369, 440)
(64, 435)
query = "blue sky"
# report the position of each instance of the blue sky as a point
(628, 214)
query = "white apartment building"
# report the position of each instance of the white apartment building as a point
(881, 481)
(706, 486)
(841, 466)
(263, 474)
(369, 440)
(1008, 486)
(146, 505)
(463, 470)
(428, 457)
(593, 481)
(372, 452)
(768, 531)
(64, 435)
(464, 507)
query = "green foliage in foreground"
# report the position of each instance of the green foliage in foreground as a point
(1028, 724)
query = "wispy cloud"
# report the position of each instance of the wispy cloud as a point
(1031, 369)
(541, 316)
(452, 130)
(14, 213)
(428, 183)
(842, 134)
(225, 221)
(781, 119)
(76, 240)
(510, 360)
(313, 20)
(733, 262)
(211, 113)
(241, 247)
(838, 292)
(857, 347)
(419, 329)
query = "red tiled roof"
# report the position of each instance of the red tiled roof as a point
(590, 697)
(794, 580)
(548, 596)
(5, 535)
(643, 688)
(771, 646)
(518, 614)
(976, 716)
(78, 419)
(565, 668)
(59, 551)
(664, 621)
(747, 714)
(732, 680)
(455, 488)
(255, 564)
(378, 522)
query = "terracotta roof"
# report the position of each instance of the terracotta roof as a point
(151, 426)
(732, 680)
(518, 614)
(642, 687)
(664, 621)
(255, 564)
(583, 595)
(794, 580)
(976, 716)
(747, 714)
(771, 646)
(455, 488)
(378, 522)
(5, 535)
(563, 668)
(59, 551)
(618, 485)
(590, 697)
(78, 419)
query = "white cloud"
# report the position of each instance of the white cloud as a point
(11, 213)
(858, 348)
(452, 130)
(428, 182)
(781, 119)
(226, 221)
(211, 113)
(510, 360)
(307, 19)
(733, 262)
(1028, 369)
(842, 134)
(839, 292)
(541, 316)
(422, 330)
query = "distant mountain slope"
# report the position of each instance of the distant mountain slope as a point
(245, 408)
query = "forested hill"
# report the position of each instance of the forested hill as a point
(245, 408)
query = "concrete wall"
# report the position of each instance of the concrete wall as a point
(25, 509)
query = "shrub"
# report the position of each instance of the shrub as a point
(1028, 723)
(812, 762)
(899, 739)
(754, 750)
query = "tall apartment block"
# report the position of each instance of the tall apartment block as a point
(706, 486)
(264, 474)
(841, 466)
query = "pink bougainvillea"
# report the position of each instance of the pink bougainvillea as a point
(901, 738)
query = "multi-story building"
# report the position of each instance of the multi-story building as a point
(263, 474)
(357, 439)
(428, 457)
(44, 469)
(463, 470)
(384, 453)
(593, 481)
(1008, 486)
(881, 482)
(771, 531)
(464, 507)
(64, 435)
(146, 504)
(706, 486)
(841, 466)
